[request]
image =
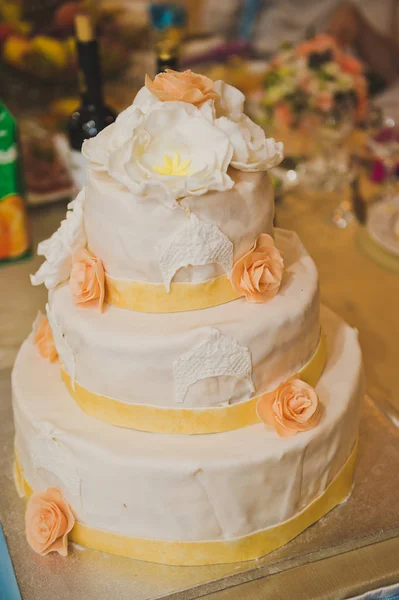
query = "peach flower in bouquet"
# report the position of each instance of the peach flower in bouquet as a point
(318, 45)
(315, 76)
(283, 115)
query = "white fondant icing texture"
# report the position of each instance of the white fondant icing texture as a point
(130, 356)
(178, 487)
(125, 230)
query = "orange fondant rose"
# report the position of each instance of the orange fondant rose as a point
(48, 521)
(293, 407)
(185, 87)
(44, 340)
(257, 275)
(87, 279)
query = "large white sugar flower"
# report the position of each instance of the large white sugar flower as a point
(145, 100)
(175, 151)
(252, 150)
(98, 150)
(58, 249)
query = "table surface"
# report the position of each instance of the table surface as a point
(361, 291)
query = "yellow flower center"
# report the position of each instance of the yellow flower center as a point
(173, 166)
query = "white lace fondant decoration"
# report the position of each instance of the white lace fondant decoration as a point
(47, 452)
(214, 357)
(197, 243)
(65, 353)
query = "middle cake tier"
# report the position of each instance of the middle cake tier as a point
(207, 358)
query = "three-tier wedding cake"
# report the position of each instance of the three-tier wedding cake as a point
(185, 400)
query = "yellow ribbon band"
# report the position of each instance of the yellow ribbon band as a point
(240, 549)
(183, 420)
(142, 296)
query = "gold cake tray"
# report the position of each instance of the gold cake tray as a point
(370, 515)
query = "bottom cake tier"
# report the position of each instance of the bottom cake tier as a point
(187, 500)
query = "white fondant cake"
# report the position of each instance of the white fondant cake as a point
(125, 233)
(177, 215)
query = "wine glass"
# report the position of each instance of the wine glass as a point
(333, 130)
(383, 141)
(332, 170)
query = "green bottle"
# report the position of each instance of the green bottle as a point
(14, 235)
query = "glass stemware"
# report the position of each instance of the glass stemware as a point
(383, 141)
(331, 170)
(332, 132)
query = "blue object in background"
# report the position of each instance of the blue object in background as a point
(8, 584)
(248, 16)
(164, 16)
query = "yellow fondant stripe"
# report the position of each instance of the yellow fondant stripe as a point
(182, 420)
(147, 297)
(240, 549)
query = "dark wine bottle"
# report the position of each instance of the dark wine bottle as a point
(167, 61)
(93, 115)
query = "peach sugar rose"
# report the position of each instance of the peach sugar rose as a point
(87, 280)
(44, 340)
(183, 87)
(48, 520)
(292, 408)
(258, 274)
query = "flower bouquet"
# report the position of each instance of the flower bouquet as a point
(310, 80)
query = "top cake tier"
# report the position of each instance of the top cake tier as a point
(176, 187)
(146, 241)
(177, 198)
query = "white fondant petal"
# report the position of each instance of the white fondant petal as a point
(230, 102)
(59, 248)
(252, 150)
(216, 356)
(145, 100)
(98, 150)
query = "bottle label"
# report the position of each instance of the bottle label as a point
(78, 166)
(14, 237)
(9, 171)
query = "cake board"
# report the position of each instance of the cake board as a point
(368, 517)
